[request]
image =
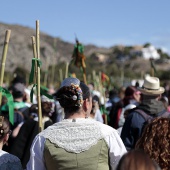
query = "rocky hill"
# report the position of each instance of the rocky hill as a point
(20, 50)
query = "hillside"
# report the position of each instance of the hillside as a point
(20, 53)
(20, 48)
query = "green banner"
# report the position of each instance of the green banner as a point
(10, 104)
(43, 91)
(39, 63)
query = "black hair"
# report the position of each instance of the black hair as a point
(66, 94)
(19, 79)
(17, 94)
(86, 91)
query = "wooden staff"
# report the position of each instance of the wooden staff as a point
(38, 77)
(46, 74)
(142, 74)
(89, 78)
(152, 72)
(8, 79)
(27, 79)
(54, 65)
(122, 76)
(35, 56)
(52, 74)
(61, 75)
(84, 75)
(152, 67)
(66, 73)
(4, 54)
(94, 79)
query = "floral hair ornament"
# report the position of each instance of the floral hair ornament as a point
(1, 121)
(74, 83)
(79, 96)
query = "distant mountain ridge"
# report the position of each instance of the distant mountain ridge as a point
(20, 50)
(20, 53)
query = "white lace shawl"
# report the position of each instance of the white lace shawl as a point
(75, 136)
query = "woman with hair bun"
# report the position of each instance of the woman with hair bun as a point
(7, 161)
(77, 142)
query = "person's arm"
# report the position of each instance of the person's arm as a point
(36, 161)
(132, 130)
(98, 116)
(116, 148)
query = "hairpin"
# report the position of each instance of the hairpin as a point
(74, 97)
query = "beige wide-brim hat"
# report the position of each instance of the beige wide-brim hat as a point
(151, 86)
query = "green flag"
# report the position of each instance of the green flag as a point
(10, 104)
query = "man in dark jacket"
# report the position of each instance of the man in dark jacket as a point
(149, 108)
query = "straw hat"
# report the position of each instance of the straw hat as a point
(151, 86)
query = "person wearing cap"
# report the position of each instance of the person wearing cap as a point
(149, 108)
(20, 107)
(77, 142)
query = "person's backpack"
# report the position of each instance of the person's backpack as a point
(149, 118)
(25, 112)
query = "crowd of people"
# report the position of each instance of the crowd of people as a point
(132, 132)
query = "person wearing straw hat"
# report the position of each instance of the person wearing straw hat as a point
(77, 142)
(150, 107)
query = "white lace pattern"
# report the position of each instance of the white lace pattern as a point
(75, 136)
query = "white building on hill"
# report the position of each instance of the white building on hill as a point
(150, 52)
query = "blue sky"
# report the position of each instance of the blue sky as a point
(100, 22)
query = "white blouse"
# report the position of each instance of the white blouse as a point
(76, 136)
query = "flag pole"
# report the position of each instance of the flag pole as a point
(54, 65)
(66, 73)
(152, 72)
(94, 78)
(38, 76)
(35, 56)
(4, 54)
(46, 74)
(153, 69)
(61, 75)
(84, 75)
